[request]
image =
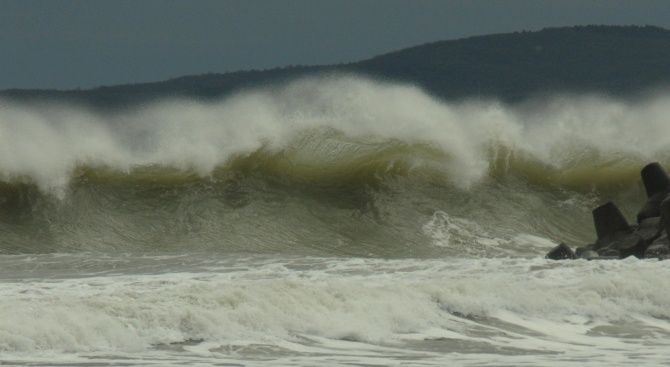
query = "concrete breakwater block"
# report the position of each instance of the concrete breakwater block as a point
(616, 238)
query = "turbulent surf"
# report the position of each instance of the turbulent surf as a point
(330, 220)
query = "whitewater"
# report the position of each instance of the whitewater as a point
(333, 220)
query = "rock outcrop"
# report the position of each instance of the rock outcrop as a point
(616, 238)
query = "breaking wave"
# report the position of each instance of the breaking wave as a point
(337, 165)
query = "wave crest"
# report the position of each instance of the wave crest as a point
(344, 127)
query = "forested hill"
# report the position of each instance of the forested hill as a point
(609, 59)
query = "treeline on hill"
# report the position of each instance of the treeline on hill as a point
(615, 60)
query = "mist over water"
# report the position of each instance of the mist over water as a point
(46, 142)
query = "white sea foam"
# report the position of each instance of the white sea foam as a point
(309, 311)
(45, 142)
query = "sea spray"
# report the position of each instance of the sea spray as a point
(570, 135)
(333, 220)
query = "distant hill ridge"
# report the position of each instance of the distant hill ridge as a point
(617, 60)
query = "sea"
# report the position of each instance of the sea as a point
(328, 221)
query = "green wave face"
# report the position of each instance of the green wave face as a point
(323, 167)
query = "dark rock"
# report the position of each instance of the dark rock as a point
(608, 252)
(580, 250)
(652, 208)
(610, 224)
(665, 215)
(616, 239)
(655, 179)
(561, 252)
(631, 245)
(657, 250)
(650, 229)
(589, 255)
(615, 236)
(662, 240)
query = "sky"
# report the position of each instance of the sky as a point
(68, 44)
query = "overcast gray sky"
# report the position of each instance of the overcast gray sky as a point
(67, 44)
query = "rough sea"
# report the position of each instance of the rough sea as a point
(330, 221)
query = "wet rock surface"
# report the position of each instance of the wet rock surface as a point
(616, 238)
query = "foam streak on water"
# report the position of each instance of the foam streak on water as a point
(307, 311)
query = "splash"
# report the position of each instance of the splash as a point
(569, 140)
